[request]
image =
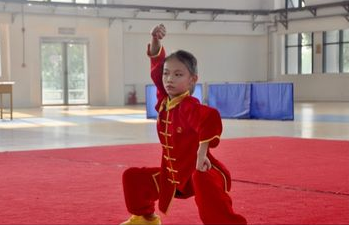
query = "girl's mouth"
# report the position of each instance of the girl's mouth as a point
(169, 87)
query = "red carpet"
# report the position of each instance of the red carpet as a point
(276, 181)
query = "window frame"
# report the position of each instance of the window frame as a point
(301, 3)
(299, 47)
(340, 43)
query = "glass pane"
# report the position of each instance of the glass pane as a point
(306, 39)
(77, 74)
(307, 60)
(292, 61)
(68, 1)
(332, 59)
(0, 62)
(85, 1)
(332, 36)
(292, 39)
(52, 73)
(292, 3)
(346, 35)
(346, 58)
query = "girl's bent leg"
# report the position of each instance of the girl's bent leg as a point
(140, 190)
(214, 203)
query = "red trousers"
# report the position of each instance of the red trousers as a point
(213, 202)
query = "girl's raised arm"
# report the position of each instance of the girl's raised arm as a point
(157, 33)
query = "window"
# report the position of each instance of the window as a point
(336, 51)
(299, 53)
(0, 61)
(294, 3)
(331, 52)
(67, 1)
(345, 54)
(84, 1)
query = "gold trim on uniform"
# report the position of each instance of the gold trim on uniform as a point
(173, 181)
(157, 54)
(155, 181)
(208, 140)
(171, 170)
(225, 179)
(170, 203)
(166, 121)
(169, 158)
(165, 134)
(171, 103)
(167, 146)
(163, 103)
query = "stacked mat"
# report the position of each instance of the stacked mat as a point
(271, 101)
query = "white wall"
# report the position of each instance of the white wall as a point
(115, 64)
(27, 88)
(227, 52)
(117, 59)
(220, 58)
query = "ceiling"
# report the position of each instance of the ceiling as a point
(256, 12)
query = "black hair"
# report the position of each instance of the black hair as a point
(187, 59)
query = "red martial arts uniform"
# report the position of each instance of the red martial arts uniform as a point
(182, 124)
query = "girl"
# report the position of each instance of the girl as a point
(187, 130)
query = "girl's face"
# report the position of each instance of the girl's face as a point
(177, 78)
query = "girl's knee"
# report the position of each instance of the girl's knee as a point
(133, 173)
(130, 173)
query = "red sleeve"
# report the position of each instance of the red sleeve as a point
(207, 122)
(156, 70)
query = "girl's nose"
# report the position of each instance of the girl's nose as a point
(169, 78)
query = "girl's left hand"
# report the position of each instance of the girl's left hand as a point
(203, 163)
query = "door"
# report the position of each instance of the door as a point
(64, 78)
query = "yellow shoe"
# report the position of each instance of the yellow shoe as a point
(141, 220)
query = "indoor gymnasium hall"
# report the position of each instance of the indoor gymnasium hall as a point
(79, 109)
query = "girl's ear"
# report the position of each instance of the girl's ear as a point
(194, 78)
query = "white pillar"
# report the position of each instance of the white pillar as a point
(115, 81)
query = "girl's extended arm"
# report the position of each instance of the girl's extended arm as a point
(157, 55)
(157, 33)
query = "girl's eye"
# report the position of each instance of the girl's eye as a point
(165, 73)
(178, 74)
